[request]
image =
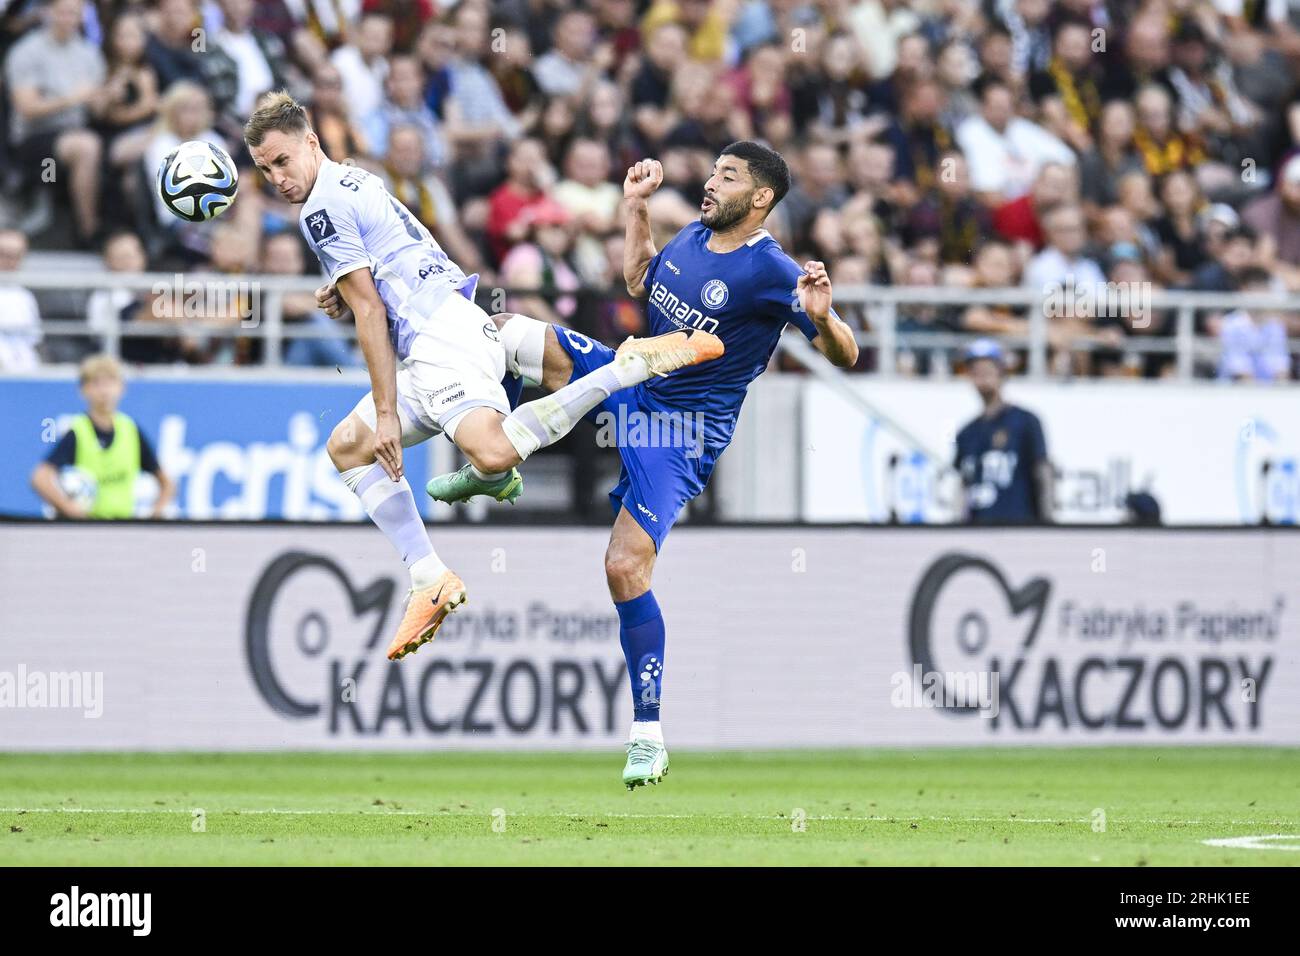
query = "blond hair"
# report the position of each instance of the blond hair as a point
(99, 366)
(275, 111)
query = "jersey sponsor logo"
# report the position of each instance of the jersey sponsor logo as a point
(672, 268)
(680, 312)
(321, 229)
(715, 294)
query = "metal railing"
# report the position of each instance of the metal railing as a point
(880, 306)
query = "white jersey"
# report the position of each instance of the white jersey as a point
(352, 222)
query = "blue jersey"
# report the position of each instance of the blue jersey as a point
(996, 458)
(745, 297)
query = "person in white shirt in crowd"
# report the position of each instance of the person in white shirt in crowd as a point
(20, 319)
(363, 63)
(591, 199)
(237, 40)
(1006, 151)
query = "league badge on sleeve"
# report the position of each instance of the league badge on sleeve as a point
(320, 227)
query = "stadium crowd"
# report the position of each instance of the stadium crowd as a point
(957, 143)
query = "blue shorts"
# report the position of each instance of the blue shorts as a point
(666, 462)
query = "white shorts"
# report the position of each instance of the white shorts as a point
(456, 364)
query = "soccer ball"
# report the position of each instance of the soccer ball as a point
(79, 485)
(197, 181)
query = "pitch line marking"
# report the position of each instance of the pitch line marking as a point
(589, 814)
(1257, 842)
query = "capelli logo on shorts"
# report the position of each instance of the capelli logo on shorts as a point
(454, 396)
(130, 910)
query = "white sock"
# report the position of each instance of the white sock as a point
(487, 476)
(647, 728)
(426, 571)
(545, 421)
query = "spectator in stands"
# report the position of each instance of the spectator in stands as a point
(176, 44)
(576, 59)
(1001, 455)
(1062, 263)
(1006, 151)
(282, 255)
(55, 81)
(20, 319)
(1020, 221)
(404, 105)
(1162, 146)
(652, 113)
(1103, 166)
(479, 125)
(1275, 217)
(1068, 90)
(420, 190)
(259, 58)
(108, 446)
(706, 23)
(1254, 342)
(363, 65)
(130, 92)
(592, 200)
(341, 136)
(1182, 247)
(540, 264)
(123, 252)
(950, 214)
(528, 176)
(995, 268)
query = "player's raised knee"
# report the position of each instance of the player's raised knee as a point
(345, 445)
(492, 460)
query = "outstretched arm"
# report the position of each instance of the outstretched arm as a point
(358, 290)
(834, 338)
(639, 248)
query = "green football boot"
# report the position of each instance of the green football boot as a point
(647, 762)
(464, 484)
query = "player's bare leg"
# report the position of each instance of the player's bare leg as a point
(495, 444)
(629, 564)
(436, 590)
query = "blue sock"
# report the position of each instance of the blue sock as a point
(641, 632)
(514, 386)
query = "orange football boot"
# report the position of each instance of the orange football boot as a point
(426, 609)
(673, 350)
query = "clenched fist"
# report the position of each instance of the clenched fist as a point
(643, 179)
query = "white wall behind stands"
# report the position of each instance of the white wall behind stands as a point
(1210, 454)
(272, 637)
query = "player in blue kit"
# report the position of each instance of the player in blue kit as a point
(724, 275)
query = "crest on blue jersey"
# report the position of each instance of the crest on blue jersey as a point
(320, 227)
(714, 294)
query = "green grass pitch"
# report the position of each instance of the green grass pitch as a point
(877, 807)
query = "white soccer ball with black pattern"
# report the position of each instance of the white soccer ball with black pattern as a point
(198, 181)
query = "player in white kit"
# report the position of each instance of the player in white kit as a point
(436, 360)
